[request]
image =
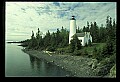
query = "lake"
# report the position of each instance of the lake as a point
(20, 64)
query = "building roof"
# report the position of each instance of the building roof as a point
(80, 34)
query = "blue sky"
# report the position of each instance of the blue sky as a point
(23, 17)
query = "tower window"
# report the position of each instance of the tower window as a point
(80, 40)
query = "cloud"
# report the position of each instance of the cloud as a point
(23, 17)
(56, 4)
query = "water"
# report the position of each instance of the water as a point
(18, 63)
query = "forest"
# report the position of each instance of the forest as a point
(58, 42)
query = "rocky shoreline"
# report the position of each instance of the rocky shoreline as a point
(79, 66)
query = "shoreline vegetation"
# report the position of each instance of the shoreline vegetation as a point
(95, 59)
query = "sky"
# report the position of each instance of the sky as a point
(23, 17)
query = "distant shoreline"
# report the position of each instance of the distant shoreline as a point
(14, 42)
(77, 65)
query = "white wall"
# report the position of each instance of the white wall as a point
(82, 38)
(87, 38)
(91, 38)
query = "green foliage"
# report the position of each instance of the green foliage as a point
(84, 29)
(75, 43)
(86, 45)
(33, 41)
(106, 58)
(25, 43)
(33, 44)
(39, 39)
(46, 39)
(97, 54)
(52, 41)
(94, 32)
(108, 48)
(60, 37)
(78, 30)
(50, 48)
(87, 29)
(113, 71)
(68, 49)
(84, 53)
(77, 53)
(89, 43)
(104, 67)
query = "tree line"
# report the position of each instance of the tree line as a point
(50, 41)
(59, 41)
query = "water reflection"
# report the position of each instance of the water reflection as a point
(32, 60)
(39, 65)
(18, 63)
(46, 69)
(35, 63)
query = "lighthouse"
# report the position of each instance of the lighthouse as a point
(72, 27)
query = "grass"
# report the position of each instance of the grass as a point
(90, 49)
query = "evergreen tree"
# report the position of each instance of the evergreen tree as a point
(58, 37)
(53, 40)
(109, 28)
(78, 30)
(84, 29)
(47, 39)
(108, 49)
(75, 43)
(87, 29)
(86, 45)
(32, 37)
(107, 22)
(95, 32)
(64, 37)
(89, 43)
(33, 42)
(114, 30)
(102, 34)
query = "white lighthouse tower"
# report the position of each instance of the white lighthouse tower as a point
(72, 27)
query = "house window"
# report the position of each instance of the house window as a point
(80, 40)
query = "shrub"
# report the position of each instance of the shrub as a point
(113, 71)
(104, 67)
(85, 52)
(77, 52)
(89, 43)
(51, 49)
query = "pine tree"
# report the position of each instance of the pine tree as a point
(95, 32)
(102, 34)
(89, 43)
(33, 42)
(87, 29)
(75, 43)
(84, 29)
(47, 39)
(58, 37)
(32, 37)
(39, 38)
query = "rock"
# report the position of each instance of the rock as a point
(113, 71)
(79, 66)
